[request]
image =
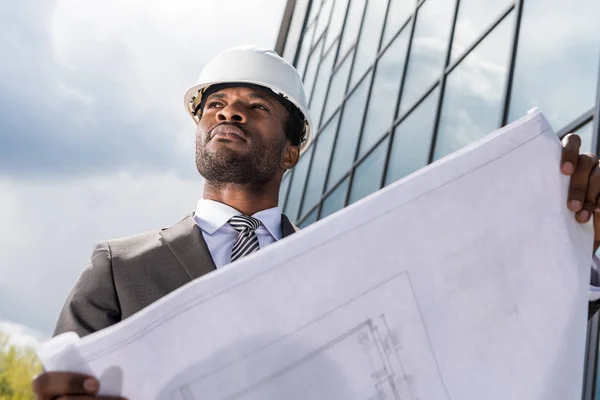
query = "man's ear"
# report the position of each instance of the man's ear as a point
(291, 154)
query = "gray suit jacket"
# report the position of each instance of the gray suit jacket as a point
(126, 275)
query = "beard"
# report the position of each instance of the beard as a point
(252, 169)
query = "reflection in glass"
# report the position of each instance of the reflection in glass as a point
(345, 146)
(384, 95)
(311, 70)
(472, 104)
(367, 176)
(355, 13)
(283, 189)
(310, 218)
(474, 16)
(335, 200)
(321, 84)
(300, 172)
(314, 7)
(412, 140)
(337, 89)
(324, 17)
(368, 43)
(296, 26)
(337, 19)
(304, 51)
(428, 49)
(318, 170)
(397, 15)
(585, 132)
(557, 60)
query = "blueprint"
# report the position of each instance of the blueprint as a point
(464, 281)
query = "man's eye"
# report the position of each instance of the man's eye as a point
(259, 106)
(213, 104)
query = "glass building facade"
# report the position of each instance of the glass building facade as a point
(396, 84)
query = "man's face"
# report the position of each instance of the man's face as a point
(240, 137)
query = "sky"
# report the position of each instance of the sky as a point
(94, 139)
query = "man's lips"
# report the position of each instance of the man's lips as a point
(228, 132)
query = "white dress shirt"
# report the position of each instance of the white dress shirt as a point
(212, 217)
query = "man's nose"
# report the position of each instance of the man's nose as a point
(233, 112)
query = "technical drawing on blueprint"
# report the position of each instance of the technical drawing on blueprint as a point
(373, 358)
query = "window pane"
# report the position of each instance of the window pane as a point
(367, 177)
(397, 15)
(300, 171)
(474, 90)
(283, 189)
(335, 200)
(304, 51)
(412, 140)
(345, 146)
(428, 49)
(311, 70)
(291, 42)
(321, 85)
(324, 16)
(318, 170)
(585, 132)
(337, 19)
(314, 7)
(368, 43)
(557, 60)
(474, 16)
(352, 25)
(312, 217)
(384, 96)
(337, 89)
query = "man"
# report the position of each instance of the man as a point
(252, 125)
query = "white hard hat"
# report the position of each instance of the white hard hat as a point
(253, 65)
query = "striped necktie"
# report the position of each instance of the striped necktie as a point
(247, 241)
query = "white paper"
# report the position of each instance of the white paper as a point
(467, 280)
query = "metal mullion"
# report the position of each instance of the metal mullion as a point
(403, 116)
(384, 48)
(512, 63)
(591, 359)
(438, 111)
(341, 109)
(576, 123)
(347, 89)
(287, 192)
(337, 64)
(303, 30)
(373, 68)
(320, 61)
(303, 217)
(322, 56)
(370, 150)
(412, 18)
(596, 126)
(334, 187)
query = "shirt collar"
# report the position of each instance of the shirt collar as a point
(212, 215)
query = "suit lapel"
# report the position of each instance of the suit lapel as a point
(186, 242)
(287, 228)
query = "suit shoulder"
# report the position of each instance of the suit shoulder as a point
(134, 246)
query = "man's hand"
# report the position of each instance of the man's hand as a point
(66, 386)
(584, 188)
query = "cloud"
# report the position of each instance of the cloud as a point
(94, 139)
(22, 336)
(51, 228)
(94, 88)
